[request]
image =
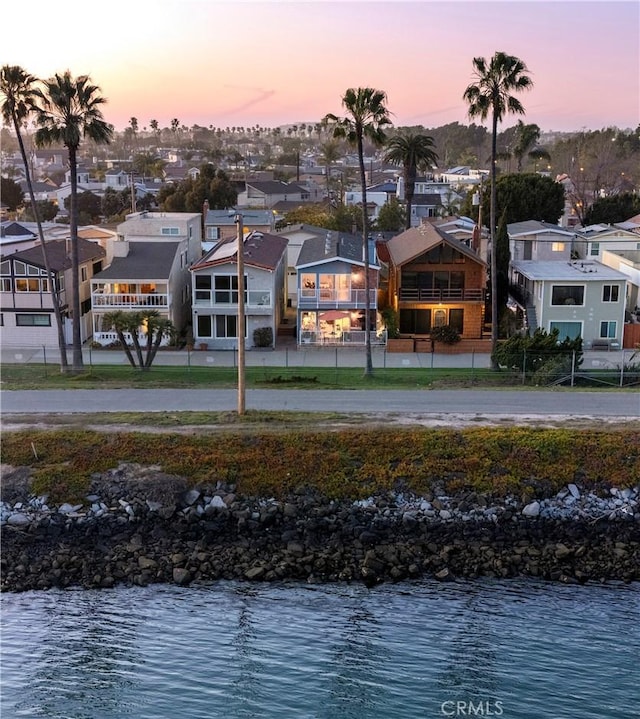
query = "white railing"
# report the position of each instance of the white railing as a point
(130, 301)
(229, 298)
(108, 338)
(349, 338)
(347, 299)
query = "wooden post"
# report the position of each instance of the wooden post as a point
(240, 331)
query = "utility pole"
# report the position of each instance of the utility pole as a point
(239, 220)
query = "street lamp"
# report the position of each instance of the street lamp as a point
(239, 220)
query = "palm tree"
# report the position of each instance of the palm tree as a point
(495, 80)
(18, 90)
(366, 116)
(329, 153)
(413, 152)
(69, 110)
(527, 137)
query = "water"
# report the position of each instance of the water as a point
(484, 648)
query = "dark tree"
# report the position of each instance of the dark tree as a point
(616, 208)
(47, 211)
(12, 195)
(89, 206)
(503, 257)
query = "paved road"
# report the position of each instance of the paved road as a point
(435, 402)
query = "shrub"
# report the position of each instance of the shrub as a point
(263, 337)
(390, 319)
(446, 333)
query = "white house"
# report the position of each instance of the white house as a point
(215, 291)
(536, 240)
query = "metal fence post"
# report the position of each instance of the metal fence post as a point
(473, 364)
(286, 357)
(44, 356)
(622, 370)
(524, 366)
(573, 367)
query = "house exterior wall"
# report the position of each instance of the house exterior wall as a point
(541, 246)
(155, 226)
(629, 265)
(614, 241)
(263, 306)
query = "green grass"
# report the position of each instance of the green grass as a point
(40, 376)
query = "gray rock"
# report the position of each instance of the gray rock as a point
(532, 509)
(254, 573)
(191, 497)
(574, 490)
(181, 576)
(18, 520)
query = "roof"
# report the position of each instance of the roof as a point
(261, 249)
(275, 187)
(574, 271)
(58, 254)
(414, 242)
(534, 227)
(593, 231)
(432, 198)
(224, 218)
(331, 246)
(14, 229)
(146, 260)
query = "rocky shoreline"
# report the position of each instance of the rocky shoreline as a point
(139, 526)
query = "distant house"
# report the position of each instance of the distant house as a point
(598, 238)
(435, 280)
(581, 298)
(332, 299)
(265, 194)
(26, 301)
(15, 236)
(221, 224)
(215, 290)
(535, 240)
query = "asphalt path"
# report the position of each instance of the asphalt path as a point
(624, 405)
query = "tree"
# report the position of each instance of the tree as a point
(150, 323)
(115, 204)
(46, 211)
(12, 195)
(89, 207)
(330, 153)
(610, 210)
(189, 195)
(19, 93)
(68, 110)
(527, 137)
(490, 94)
(391, 217)
(503, 257)
(413, 152)
(523, 197)
(366, 117)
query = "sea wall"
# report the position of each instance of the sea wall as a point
(139, 526)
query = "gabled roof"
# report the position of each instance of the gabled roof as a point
(146, 260)
(14, 229)
(432, 198)
(535, 227)
(416, 241)
(331, 246)
(261, 249)
(58, 254)
(275, 187)
(592, 231)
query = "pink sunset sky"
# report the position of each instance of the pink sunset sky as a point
(273, 63)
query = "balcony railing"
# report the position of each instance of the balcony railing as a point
(417, 294)
(229, 298)
(328, 299)
(349, 338)
(129, 301)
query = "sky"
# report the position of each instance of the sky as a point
(242, 63)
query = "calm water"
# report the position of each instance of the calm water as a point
(515, 649)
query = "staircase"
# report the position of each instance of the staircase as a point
(532, 318)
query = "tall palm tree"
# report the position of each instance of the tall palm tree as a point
(69, 109)
(366, 116)
(491, 94)
(527, 137)
(330, 152)
(18, 90)
(413, 152)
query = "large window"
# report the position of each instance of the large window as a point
(566, 329)
(170, 231)
(203, 288)
(226, 289)
(610, 293)
(33, 320)
(567, 295)
(415, 322)
(32, 285)
(226, 325)
(595, 249)
(607, 330)
(557, 247)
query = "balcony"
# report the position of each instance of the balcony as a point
(417, 294)
(128, 301)
(310, 299)
(256, 301)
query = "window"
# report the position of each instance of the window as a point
(204, 326)
(610, 293)
(415, 321)
(607, 330)
(557, 247)
(595, 249)
(203, 288)
(456, 317)
(33, 320)
(226, 289)
(30, 285)
(227, 326)
(566, 329)
(567, 295)
(5, 284)
(83, 274)
(213, 233)
(170, 231)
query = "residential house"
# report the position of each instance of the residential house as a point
(435, 280)
(579, 298)
(215, 290)
(15, 236)
(595, 239)
(332, 302)
(535, 240)
(221, 224)
(141, 275)
(26, 301)
(265, 194)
